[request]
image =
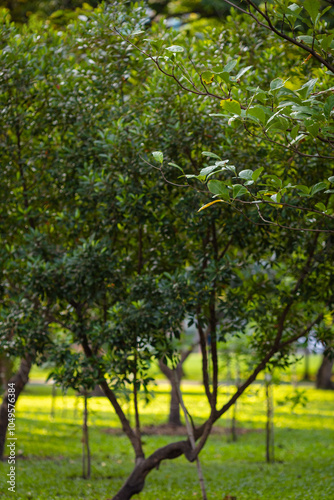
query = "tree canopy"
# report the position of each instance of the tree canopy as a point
(105, 253)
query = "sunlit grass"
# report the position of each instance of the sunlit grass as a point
(51, 446)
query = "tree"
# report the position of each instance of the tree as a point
(59, 11)
(28, 83)
(292, 119)
(114, 270)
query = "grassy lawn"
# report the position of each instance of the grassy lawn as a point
(50, 449)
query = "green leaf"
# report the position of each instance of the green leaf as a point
(230, 65)
(274, 180)
(312, 128)
(176, 166)
(304, 189)
(256, 174)
(307, 88)
(326, 41)
(312, 7)
(329, 104)
(258, 113)
(239, 190)
(246, 174)
(231, 106)
(318, 187)
(276, 197)
(225, 76)
(276, 84)
(175, 48)
(157, 44)
(321, 207)
(305, 38)
(231, 168)
(158, 156)
(210, 155)
(293, 11)
(242, 72)
(331, 179)
(218, 187)
(208, 170)
(294, 132)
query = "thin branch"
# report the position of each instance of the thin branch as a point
(191, 436)
(272, 28)
(205, 373)
(294, 150)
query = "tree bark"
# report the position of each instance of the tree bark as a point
(324, 374)
(306, 377)
(6, 370)
(20, 379)
(136, 481)
(174, 418)
(85, 442)
(174, 407)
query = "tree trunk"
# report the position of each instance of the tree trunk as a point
(20, 379)
(324, 374)
(270, 448)
(174, 406)
(306, 377)
(135, 482)
(6, 370)
(85, 442)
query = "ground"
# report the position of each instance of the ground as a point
(49, 448)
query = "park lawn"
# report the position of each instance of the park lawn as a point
(50, 449)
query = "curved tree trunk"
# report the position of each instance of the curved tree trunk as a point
(324, 374)
(135, 482)
(20, 379)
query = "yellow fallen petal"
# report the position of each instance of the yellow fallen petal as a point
(209, 204)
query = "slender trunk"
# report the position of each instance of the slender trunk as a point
(270, 458)
(53, 400)
(235, 406)
(306, 377)
(234, 423)
(174, 418)
(190, 432)
(19, 380)
(325, 373)
(135, 397)
(85, 442)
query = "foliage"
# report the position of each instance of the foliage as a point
(59, 12)
(107, 261)
(288, 112)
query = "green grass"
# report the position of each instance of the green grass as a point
(50, 449)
